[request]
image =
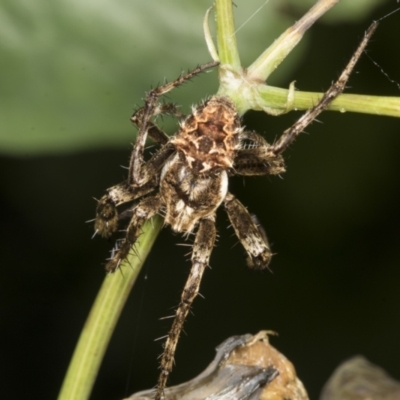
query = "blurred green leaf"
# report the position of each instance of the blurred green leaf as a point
(72, 71)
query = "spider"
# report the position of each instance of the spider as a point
(186, 181)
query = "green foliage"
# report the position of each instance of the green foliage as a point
(72, 72)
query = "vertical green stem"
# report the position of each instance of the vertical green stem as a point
(227, 46)
(103, 317)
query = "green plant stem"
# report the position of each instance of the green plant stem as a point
(226, 37)
(269, 60)
(103, 317)
(276, 98)
(246, 89)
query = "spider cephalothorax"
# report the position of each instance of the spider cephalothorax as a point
(187, 180)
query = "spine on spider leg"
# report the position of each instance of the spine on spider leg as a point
(202, 247)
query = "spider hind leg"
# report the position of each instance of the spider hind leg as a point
(202, 248)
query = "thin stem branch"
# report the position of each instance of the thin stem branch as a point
(276, 98)
(269, 60)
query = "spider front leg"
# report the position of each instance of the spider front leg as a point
(202, 248)
(255, 157)
(336, 88)
(142, 119)
(143, 211)
(252, 238)
(107, 216)
(153, 131)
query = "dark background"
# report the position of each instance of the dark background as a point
(333, 222)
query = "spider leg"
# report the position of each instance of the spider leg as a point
(107, 216)
(143, 115)
(144, 210)
(255, 158)
(154, 132)
(106, 222)
(250, 235)
(336, 88)
(202, 247)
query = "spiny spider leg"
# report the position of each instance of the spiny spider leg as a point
(254, 157)
(202, 248)
(336, 88)
(253, 240)
(143, 211)
(107, 216)
(106, 222)
(145, 113)
(153, 131)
